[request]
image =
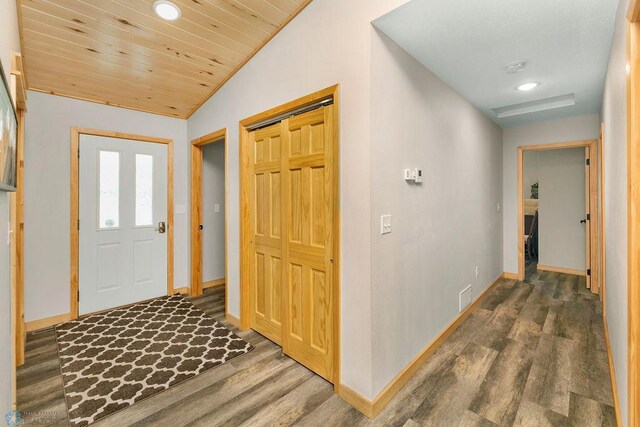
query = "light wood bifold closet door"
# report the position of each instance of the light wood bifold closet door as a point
(294, 182)
(308, 240)
(266, 242)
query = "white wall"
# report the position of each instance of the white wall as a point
(561, 206)
(212, 194)
(6, 364)
(441, 229)
(47, 194)
(9, 42)
(547, 132)
(530, 173)
(614, 116)
(326, 44)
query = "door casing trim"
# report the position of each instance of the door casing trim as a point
(245, 238)
(75, 205)
(595, 242)
(197, 146)
(633, 211)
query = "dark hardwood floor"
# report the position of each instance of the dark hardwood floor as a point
(532, 354)
(530, 268)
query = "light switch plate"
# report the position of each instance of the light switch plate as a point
(216, 207)
(385, 224)
(181, 209)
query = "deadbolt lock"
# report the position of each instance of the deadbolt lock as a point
(161, 228)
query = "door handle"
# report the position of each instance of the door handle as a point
(583, 221)
(161, 228)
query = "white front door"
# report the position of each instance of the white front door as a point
(123, 206)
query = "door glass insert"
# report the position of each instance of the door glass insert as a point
(144, 189)
(109, 200)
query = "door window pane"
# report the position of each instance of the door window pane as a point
(109, 210)
(144, 189)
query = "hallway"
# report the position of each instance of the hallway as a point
(532, 354)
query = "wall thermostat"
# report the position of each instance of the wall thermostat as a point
(407, 174)
(418, 175)
(414, 175)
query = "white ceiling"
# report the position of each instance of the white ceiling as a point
(468, 43)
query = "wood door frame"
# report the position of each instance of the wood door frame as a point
(245, 238)
(594, 241)
(75, 205)
(633, 209)
(18, 89)
(197, 147)
(602, 247)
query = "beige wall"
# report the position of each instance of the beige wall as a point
(9, 42)
(614, 116)
(441, 229)
(213, 222)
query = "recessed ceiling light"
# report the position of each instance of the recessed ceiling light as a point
(166, 10)
(516, 67)
(528, 86)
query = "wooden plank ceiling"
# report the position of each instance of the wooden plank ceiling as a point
(118, 52)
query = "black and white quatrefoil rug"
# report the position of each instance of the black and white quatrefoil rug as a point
(112, 360)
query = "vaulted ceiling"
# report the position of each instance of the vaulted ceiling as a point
(119, 52)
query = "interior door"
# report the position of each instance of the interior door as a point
(588, 217)
(266, 233)
(122, 222)
(309, 197)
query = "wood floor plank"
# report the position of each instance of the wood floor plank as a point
(590, 374)
(455, 390)
(585, 412)
(498, 295)
(501, 391)
(533, 415)
(495, 334)
(550, 375)
(47, 413)
(458, 340)
(471, 419)
(418, 388)
(519, 295)
(42, 391)
(530, 355)
(597, 339)
(245, 405)
(528, 326)
(537, 305)
(333, 412)
(294, 405)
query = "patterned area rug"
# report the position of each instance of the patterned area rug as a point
(110, 361)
